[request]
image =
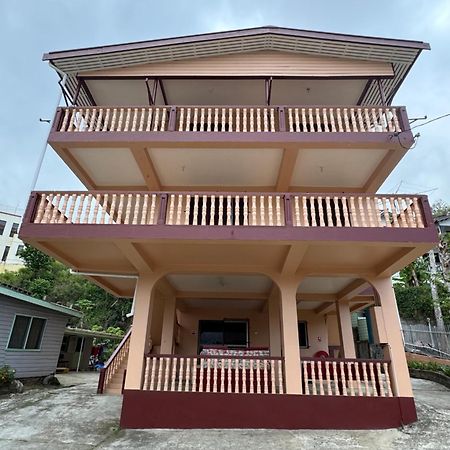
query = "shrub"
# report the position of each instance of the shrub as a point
(6, 375)
(434, 367)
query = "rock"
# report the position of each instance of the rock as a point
(16, 386)
(51, 380)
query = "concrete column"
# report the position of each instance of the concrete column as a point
(345, 329)
(168, 325)
(388, 324)
(139, 340)
(274, 324)
(291, 347)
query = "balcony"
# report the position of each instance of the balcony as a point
(279, 148)
(128, 232)
(299, 122)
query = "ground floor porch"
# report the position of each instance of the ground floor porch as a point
(221, 350)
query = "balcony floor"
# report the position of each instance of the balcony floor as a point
(114, 249)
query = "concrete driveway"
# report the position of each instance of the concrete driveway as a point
(73, 417)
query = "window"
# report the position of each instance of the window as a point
(5, 253)
(14, 229)
(303, 334)
(2, 226)
(19, 249)
(230, 333)
(26, 333)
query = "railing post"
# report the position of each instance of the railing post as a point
(287, 211)
(101, 381)
(162, 210)
(56, 121)
(425, 210)
(403, 118)
(281, 119)
(31, 208)
(172, 119)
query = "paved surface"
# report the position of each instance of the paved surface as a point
(73, 417)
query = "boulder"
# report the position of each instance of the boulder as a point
(51, 380)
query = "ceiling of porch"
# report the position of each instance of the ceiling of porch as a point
(233, 168)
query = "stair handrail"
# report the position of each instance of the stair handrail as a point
(108, 365)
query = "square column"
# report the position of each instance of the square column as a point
(140, 335)
(168, 325)
(274, 324)
(290, 341)
(344, 318)
(388, 329)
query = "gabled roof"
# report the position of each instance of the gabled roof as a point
(400, 53)
(12, 293)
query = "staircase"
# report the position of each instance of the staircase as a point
(112, 375)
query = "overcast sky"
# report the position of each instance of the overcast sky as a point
(29, 90)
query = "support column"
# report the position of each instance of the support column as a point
(291, 346)
(388, 325)
(274, 324)
(139, 339)
(168, 325)
(344, 318)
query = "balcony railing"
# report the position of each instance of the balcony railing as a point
(219, 374)
(229, 209)
(265, 375)
(352, 377)
(239, 119)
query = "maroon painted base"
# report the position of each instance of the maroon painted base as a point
(146, 409)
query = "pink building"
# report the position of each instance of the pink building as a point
(231, 182)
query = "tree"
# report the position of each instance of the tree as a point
(43, 277)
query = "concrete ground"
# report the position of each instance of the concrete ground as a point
(74, 417)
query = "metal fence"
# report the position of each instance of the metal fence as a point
(425, 338)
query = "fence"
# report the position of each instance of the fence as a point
(425, 338)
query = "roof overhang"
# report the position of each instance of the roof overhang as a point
(38, 302)
(90, 333)
(400, 53)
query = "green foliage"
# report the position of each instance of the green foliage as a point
(44, 277)
(6, 375)
(415, 274)
(115, 330)
(440, 208)
(434, 367)
(414, 302)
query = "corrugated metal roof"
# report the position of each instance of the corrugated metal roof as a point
(9, 292)
(400, 53)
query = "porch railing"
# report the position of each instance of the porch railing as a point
(114, 363)
(229, 209)
(216, 374)
(240, 119)
(347, 377)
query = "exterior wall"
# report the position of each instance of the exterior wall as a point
(12, 242)
(31, 363)
(258, 328)
(317, 332)
(188, 323)
(70, 357)
(333, 330)
(256, 63)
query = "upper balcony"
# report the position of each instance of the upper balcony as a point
(264, 148)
